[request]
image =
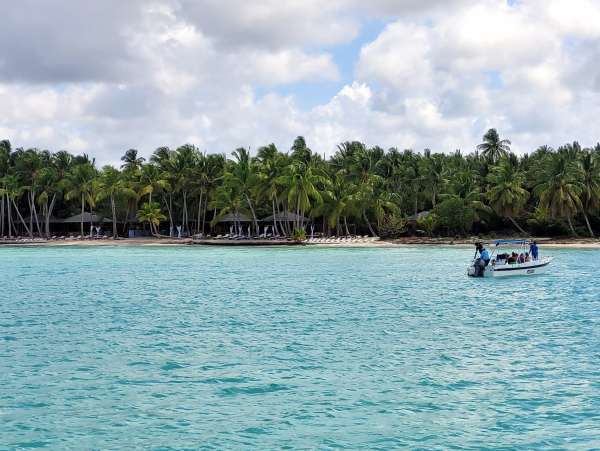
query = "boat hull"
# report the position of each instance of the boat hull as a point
(518, 269)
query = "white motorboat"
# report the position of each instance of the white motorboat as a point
(503, 264)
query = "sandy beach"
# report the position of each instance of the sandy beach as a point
(580, 243)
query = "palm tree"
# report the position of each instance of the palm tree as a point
(53, 184)
(371, 196)
(27, 164)
(302, 181)
(151, 181)
(112, 184)
(338, 203)
(182, 169)
(227, 199)
(150, 213)
(215, 166)
(559, 187)
(5, 150)
(80, 184)
(132, 163)
(164, 158)
(207, 171)
(366, 186)
(242, 177)
(433, 175)
(506, 194)
(50, 187)
(300, 150)
(410, 180)
(13, 190)
(590, 196)
(493, 147)
(271, 166)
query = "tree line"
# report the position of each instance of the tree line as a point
(358, 189)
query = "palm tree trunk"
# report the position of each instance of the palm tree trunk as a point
(204, 213)
(198, 216)
(346, 226)
(21, 218)
(571, 226)
(301, 220)
(114, 215)
(183, 215)
(369, 224)
(49, 211)
(2, 215)
(9, 217)
(297, 222)
(30, 216)
(91, 221)
(283, 225)
(275, 231)
(169, 206)
(44, 214)
(185, 223)
(82, 212)
(254, 220)
(126, 221)
(34, 214)
(587, 222)
(517, 225)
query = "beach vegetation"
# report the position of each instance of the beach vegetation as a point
(299, 235)
(358, 190)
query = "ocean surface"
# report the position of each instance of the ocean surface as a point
(288, 348)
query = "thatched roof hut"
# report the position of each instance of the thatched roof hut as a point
(235, 217)
(87, 217)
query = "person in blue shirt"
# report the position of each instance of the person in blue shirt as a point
(533, 250)
(483, 260)
(484, 254)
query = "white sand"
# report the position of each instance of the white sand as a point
(563, 243)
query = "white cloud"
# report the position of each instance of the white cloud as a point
(523, 68)
(104, 78)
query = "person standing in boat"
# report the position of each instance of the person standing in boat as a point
(483, 260)
(533, 250)
(484, 254)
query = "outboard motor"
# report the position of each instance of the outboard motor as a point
(479, 267)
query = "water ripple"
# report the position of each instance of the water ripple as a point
(187, 348)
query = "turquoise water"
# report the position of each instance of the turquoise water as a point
(217, 348)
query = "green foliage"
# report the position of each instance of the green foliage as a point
(356, 190)
(392, 226)
(454, 216)
(299, 235)
(428, 223)
(506, 193)
(542, 223)
(559, 185)
(493, 148)
(150, 213)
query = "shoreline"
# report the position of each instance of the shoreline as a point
(558, 243)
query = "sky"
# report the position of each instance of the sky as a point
(101, 77)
